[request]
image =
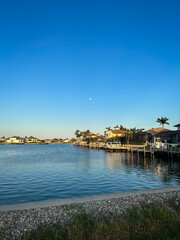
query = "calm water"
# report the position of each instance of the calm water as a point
(41, 172)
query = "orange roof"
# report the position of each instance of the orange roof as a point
(100, 136)
(92, 134)
(118, 131)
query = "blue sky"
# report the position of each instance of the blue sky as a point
(55, 55)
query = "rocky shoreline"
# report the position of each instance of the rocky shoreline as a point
(15, 224)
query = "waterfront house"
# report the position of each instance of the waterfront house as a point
(48, 140)
(171, 137)
(141, 137)
(92, 137)
(15, 140)
(148, 136)
(56, 140)
(32, 139)
(162, 137)
(178, 127)
(115, 133)
(155, 131)
(100, 138)
(2, 140)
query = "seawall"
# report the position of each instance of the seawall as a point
(18, 219)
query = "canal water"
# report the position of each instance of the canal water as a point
(42, 172)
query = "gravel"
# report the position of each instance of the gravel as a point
(15, 224)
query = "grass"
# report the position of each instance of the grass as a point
(151, 222)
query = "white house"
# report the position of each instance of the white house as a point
(14, 139)
(32, 140)
(115, 133)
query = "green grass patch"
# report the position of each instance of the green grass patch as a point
(151, 222)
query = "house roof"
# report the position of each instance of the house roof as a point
(157, 130)
(177, 125)
(32, 137)
(100, 136)
(92, 134)
(118, 131)
(116, 126)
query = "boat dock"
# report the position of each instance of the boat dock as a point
(138, 149)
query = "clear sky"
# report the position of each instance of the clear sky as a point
(55, 55)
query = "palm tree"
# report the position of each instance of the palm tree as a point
(133, 129)
(85, 134)
(121, 127)
(128, 135)
(162, 121)
(78, 133)
(108, 128)
(88, 132)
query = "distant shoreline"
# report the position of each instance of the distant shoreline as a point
(31, 143)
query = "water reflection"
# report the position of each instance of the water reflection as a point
(167, 170)
(35, 173)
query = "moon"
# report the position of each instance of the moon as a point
(90, 99)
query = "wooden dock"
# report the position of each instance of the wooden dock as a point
(137, 149)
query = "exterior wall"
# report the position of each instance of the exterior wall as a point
(32, 140)
(15, 140)
(110, 134)
(141, 137)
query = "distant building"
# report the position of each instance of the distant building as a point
(2, 139)
(115, 133)
(163, 135)
(92, 135)
(150, 135)
(95, 137)
(15, 140)
(141, 137)
(154, 131)
(178, 127)
(56, 140)
(100, 138)
(32, 139)
(172, 137)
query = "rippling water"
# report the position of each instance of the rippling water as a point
(42, 172)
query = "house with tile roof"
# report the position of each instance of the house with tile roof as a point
(95, 137)
(155, 131)
(115, 133)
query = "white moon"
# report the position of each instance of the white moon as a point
(90, 99)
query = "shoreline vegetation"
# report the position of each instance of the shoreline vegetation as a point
(145, 216)
(149, 221)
